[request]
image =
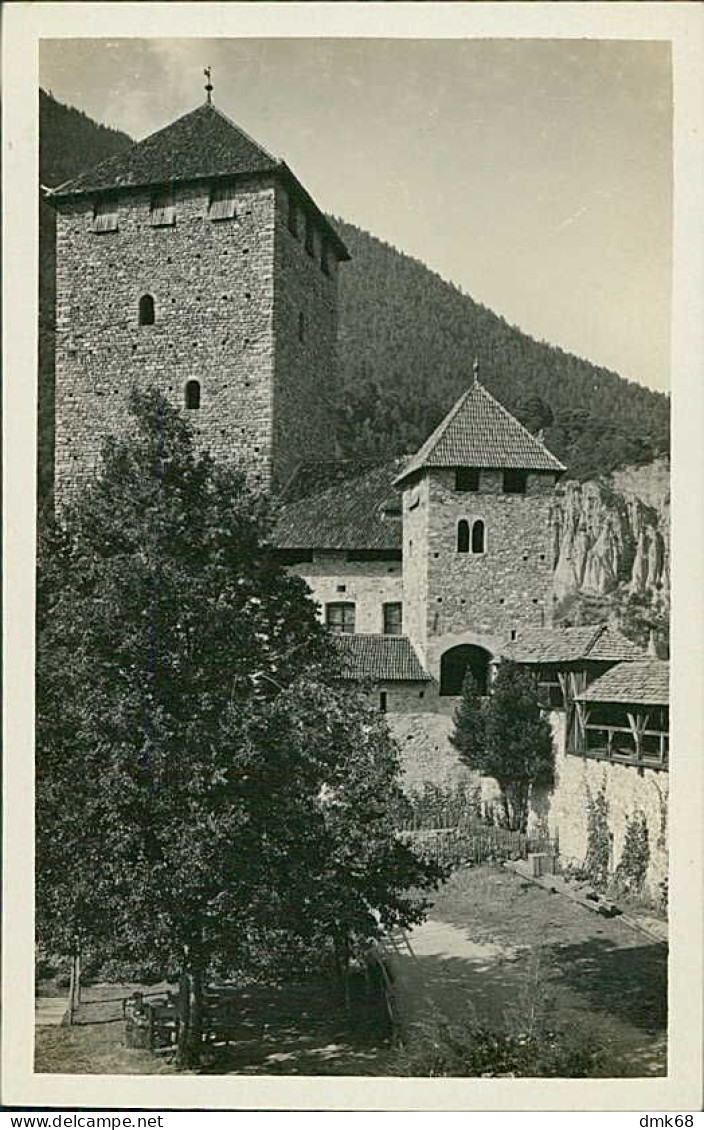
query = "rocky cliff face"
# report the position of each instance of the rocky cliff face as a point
(608, 541)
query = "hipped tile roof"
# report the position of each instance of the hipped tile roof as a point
(595, 642)
(361, 510)
(383, 659)
(646, 682)
(204, 143)
(480, 432)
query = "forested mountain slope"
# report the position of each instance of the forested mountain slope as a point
(407, 341)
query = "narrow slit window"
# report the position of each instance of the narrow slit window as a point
(301, 327)
(163, 213)
(383, 701)
(478, 536)
(326, 258)
(463, 537)
(292, 217)
(222, 202)
(146, 310)
(105, 215)
(193, 394)
(310, 236)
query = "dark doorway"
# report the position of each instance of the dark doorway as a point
(454, 664)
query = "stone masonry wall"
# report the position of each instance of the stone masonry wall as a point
(212, 284)
(415, 565)
(507, 587)
(227, 295)
(368, 585)
(305, 350)
(627, 789)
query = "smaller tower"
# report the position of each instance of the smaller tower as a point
(476, 537)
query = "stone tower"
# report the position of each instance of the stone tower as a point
(477, 552)
(196, 262)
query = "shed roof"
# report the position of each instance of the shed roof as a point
(360, 510)
(204, 143)
(595, 642)
(381, 658)
(480, 432)
(647, 682)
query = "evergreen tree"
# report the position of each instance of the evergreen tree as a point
(205, 795)
(469, 736)
(507, 739)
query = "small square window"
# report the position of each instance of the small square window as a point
(222, 202)
(105, 214)
(466, 478)
(515, 482)
(163, 213)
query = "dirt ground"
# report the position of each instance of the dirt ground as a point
(494, 944)
(490, 939)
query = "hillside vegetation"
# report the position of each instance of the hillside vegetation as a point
(407, 341)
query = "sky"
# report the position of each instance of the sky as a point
(534, 174)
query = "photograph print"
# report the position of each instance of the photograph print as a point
(352, 668)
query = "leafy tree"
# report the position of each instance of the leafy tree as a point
(507, 738)
(206, 796)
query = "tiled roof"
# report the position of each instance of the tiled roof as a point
(480, 432)
(204, 143)
(610, 644)
(361, 510)
(596, 642)
(647, 682)
(381, 658)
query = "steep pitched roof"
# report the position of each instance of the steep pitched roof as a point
(480, 432)
(360, 510)
(646, 682)
(596, 642)
(204, 143)
(381, 658)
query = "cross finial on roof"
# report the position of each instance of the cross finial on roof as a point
(208, 85)
(475, 370)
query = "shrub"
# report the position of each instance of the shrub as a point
(438, 1048)
(633, 866)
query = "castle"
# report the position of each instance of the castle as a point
(196, 262)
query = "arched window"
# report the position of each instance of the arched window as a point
(146, 310)
(463, 537)
(193, 394)
(478, 536)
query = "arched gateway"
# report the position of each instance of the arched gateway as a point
(454, 664)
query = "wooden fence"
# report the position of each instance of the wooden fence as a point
(471, 842)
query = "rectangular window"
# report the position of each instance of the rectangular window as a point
(340, 617)
(310, 236)
(393, 619)
(222, 202)
(105, 214)
(466, 478)
(383, 701)
(515, 482)
(163, 213)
